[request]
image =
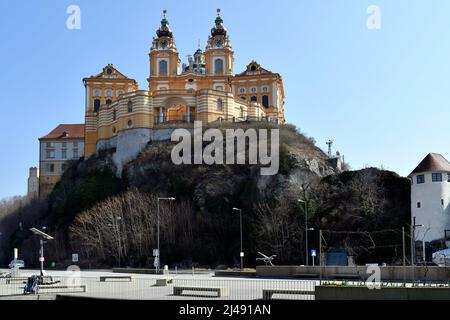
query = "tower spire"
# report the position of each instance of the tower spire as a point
(164, 30)
(218, 29)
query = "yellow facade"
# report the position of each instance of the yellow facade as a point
(204, 89)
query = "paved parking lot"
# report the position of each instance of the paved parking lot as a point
(142, 287)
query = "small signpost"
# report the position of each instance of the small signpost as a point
(75, 257)
(313, 255)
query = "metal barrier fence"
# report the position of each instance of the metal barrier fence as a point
(156, 288)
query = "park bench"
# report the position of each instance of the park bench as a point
(221, 292)
(164, 282)
(41, 287)
(129, 278)
(16, 280)
(268, 293)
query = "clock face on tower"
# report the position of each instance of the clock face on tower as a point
(164, 44)
(219, 43)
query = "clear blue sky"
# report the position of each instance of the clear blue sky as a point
(382, 95)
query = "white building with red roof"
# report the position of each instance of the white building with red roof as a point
(430, 198)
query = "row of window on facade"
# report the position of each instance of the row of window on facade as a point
(50, 154)
(264, 100)
(51, 167)
(107, 93)
(64, 145)
(218, 66)
(419, 204)
(264, 89)
(435, 177)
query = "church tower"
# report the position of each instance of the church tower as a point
(219, 52)
(164, 59)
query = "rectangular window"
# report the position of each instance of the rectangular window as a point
(64, 144)
(448, 177)
(420, 179)
(75, 144)
(63, 167)
(419, 205)
(63, 154)
(50, 167)
(442, 201)
(50, 145)
(50, 154)
(436, 177)
(75, 153)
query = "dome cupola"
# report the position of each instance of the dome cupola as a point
(218, 29)
(164, 29)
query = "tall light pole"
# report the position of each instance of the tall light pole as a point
(306, 230)
(159, 251)
(241, 254)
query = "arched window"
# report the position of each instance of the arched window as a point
(114, 115)
(108, 102)
(219, 104)
(265, 101)
(108, 93)
(218, 66)
(130, 106)
(97, 93)
(163, 66)
(254, 98)
(96, 105)
(130, 124)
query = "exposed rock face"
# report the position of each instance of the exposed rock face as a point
(154, 171)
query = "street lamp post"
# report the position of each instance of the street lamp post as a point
(242, 250)
(306, 231)
(159, 251)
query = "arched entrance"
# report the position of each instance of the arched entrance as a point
(174, 110)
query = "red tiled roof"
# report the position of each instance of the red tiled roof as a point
(66, 131)
(433, 162)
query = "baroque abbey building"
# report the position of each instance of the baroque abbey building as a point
(205, 89)
(120, 116)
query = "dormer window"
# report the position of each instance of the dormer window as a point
(253, 68)
(109, 71)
